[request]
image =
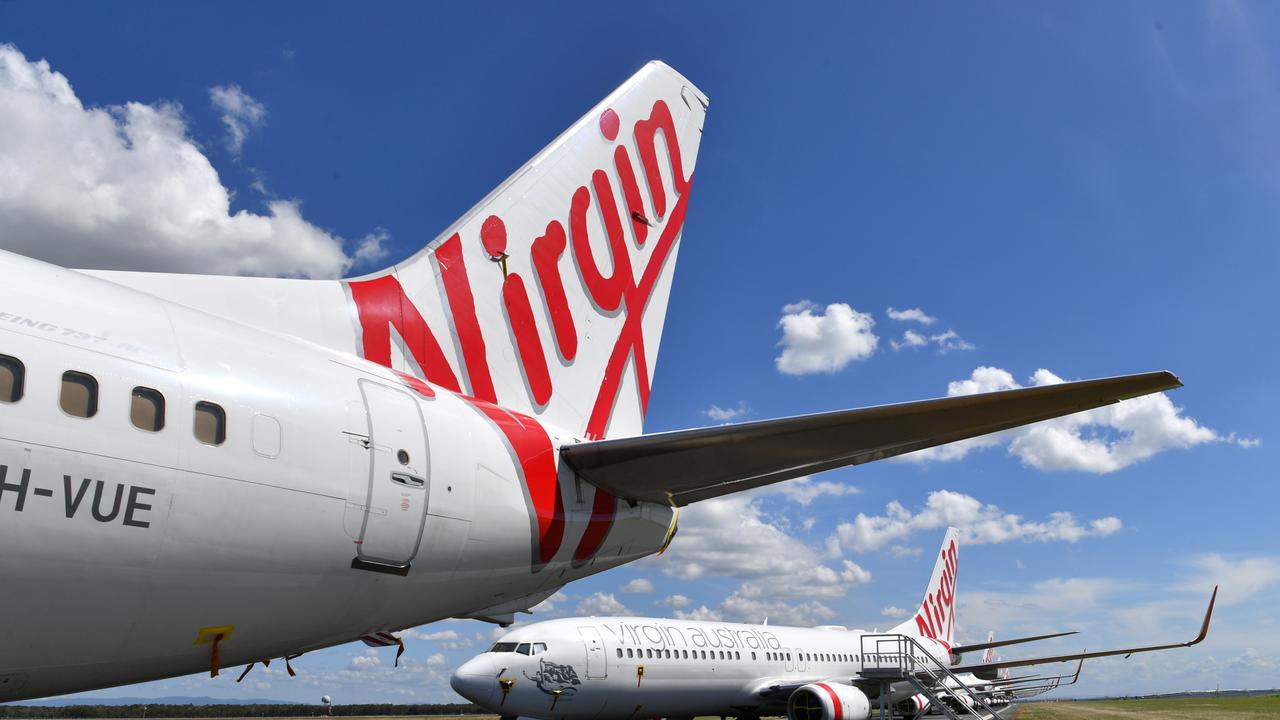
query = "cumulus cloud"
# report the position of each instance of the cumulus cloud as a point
(783, 578)
(979, 524)
(949, 341)
(719, 414)
(638, 585)
(944, 342)
(804, 490)
(826, 342)
(125, 187)
(367, 660)
(910, 339)
(1240, 579)
(911, 315)
(894, 612)
(602, 604)
(675, 601)
(702, 612)
(551, 604)
(1099, 441)
(239, 112)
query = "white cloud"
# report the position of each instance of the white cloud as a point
(823, 343)
(637, 585)
(675, 601)
(911, 315)
(949, 341)
(551, 604)
(367, 660)
(945, 342)
(371, 248)
(910, 339)
(719, 414)
(1239, 579)
(853, 574)
(733, 537)
(742, 608)
(702, 612)
(602, 604)
(979, 524)
(804, 490)
(894, 612)
(124, 187)
(900, 552)
(240, 113)
(1100, 441)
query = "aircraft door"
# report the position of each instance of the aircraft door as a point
(396, 503)
(595, 651)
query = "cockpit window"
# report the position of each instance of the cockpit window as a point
(522, 649)
(503, 647)
(539, 648)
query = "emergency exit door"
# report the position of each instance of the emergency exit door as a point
(396, 505)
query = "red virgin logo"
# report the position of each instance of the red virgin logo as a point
(381, 304)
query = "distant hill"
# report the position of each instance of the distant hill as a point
(170, 700)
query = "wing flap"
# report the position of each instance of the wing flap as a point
(690, 465)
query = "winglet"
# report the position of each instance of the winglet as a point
(1204, 629)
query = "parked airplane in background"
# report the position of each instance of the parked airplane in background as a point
(628, 667)
(200, 471)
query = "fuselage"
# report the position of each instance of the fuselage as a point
(168, 474)
(648, 667)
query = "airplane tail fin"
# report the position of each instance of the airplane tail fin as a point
(549, 296)
(989, 655)
(935, 618)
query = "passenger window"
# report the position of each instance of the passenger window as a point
(686, 654)
(628, 652)
(12, 377)
(648, 653)
(79, 396)
(666, 654)
(146, 410)
(619, 653)
(210, 423)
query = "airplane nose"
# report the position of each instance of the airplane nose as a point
(477, 681)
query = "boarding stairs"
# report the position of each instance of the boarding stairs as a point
(894, 658)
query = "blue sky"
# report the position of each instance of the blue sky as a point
(1087, 189)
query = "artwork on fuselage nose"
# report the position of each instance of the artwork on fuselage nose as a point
(551, 676)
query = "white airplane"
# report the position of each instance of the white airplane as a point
(629, 667)
(200, 471)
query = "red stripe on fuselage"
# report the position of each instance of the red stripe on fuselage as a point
(537, 467)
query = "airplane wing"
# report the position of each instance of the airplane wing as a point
(962, 649)
(686, 466)
(983, 670)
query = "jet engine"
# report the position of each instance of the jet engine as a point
(912, 706)
(828, 701)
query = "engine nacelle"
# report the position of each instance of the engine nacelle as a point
(912, 706)
(828, 701)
